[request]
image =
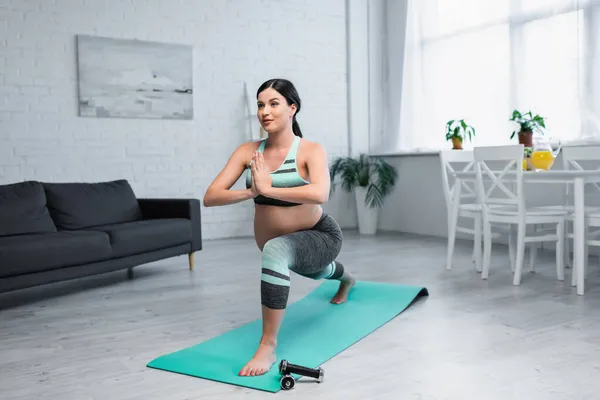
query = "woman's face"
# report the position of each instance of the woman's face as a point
(274, 114)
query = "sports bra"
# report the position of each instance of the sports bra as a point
(283, 177)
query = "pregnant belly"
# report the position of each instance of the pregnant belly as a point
(272, 221)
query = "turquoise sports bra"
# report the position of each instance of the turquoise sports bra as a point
(284, 177)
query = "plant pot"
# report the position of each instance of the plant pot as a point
(525, 138)
(457, 144)
(367, 217)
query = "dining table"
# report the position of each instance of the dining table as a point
(578, 178)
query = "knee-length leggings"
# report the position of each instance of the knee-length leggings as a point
(311, 253)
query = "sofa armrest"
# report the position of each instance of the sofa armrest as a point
(155, 208)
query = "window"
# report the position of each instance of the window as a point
(480, 60)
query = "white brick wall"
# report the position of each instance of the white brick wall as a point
(42, 138)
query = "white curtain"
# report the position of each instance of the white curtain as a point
(479, 60)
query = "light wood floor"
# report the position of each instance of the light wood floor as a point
(471, 339)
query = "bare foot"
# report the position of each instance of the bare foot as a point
(262, 361)
(342, 293)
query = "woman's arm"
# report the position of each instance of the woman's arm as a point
(316, 192)
(219, 192)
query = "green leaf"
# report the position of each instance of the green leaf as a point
(347, 168)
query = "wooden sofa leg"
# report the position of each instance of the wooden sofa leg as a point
(191, 260)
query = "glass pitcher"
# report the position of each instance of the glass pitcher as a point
(544, 152)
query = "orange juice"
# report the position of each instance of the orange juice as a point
(542, 159)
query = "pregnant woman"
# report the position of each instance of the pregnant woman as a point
(288, 179)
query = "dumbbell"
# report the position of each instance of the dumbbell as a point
(286, 369)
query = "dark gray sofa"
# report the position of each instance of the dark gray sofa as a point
(51, 232)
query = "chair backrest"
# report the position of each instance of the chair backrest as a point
(451, 162)
(582, 158)
(506, 176)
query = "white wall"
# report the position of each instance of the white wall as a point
(42, 137)
(395, 23)
(358, 76)
(417, 203)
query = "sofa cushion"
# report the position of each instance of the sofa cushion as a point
(80, 205)
(23, 209)
(41, 252)
(148, 235)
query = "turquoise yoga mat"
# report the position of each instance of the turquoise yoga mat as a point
(313, 331)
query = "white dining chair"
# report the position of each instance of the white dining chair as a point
(468, 208)
(579, 157)
(583, 157)
(507, 190)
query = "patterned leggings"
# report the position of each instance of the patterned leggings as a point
(310, 253)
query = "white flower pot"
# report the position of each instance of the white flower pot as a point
(367, 217)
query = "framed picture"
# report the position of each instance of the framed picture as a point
(123, 78)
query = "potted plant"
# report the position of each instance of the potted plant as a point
(527, 123)
(371, 179)
(458, 131)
